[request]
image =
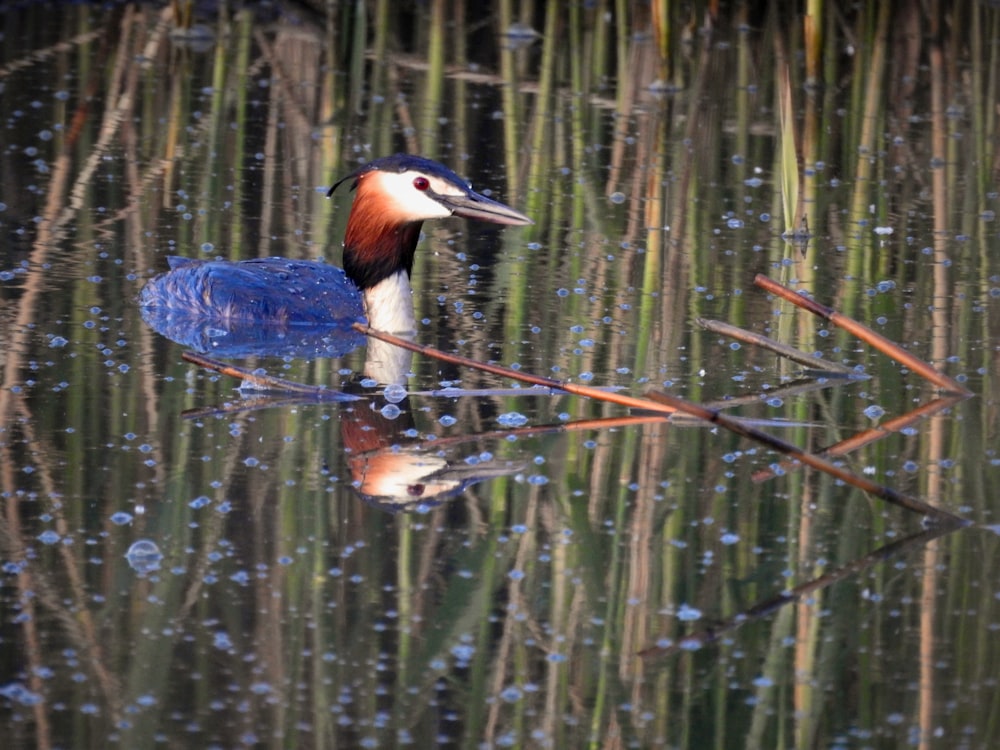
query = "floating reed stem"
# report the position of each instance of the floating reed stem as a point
(865, 437)
(525, 377)
(267, 382)
(863, 332)
(866, 485)
(782, 350)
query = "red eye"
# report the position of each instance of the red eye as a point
(421, 183)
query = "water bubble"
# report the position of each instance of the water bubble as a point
(511, 694)
(48, 537)
(144, 556)
(617, 197)
(688, 613)
(121, 518)
(18, 693)
(394, 393)
(512, 419)
(874, 411)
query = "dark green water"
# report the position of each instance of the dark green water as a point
(282, 600)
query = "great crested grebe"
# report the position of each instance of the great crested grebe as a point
(253, 299)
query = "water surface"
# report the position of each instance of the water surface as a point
(184, 564)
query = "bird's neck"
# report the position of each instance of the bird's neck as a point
(378, 244)
(389, 304)
(389, 307)
(378, 258)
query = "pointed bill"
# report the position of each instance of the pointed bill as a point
(472, 205)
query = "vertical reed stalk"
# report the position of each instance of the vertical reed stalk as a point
(788, 162)
(540, 161)
(380, 48)
(434, 81)
(940, 339)
(241, 65)
(405, 594)
(656, 243)
(807, 620)
(578, 109)
(813, 38)
(460, 100)
(511, 104)
(874, 73)
(359, 43)
(661, 29)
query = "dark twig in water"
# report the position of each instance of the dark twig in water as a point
(886, 493)
(782, 350)
(265, 382)
(864, 333)
(855, 442)
(769, 606)
(788, 390)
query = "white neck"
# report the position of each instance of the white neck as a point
(389, 308)
(389, 305)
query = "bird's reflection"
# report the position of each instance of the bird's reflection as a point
(218, 337)
(391, 467)
(395, 472)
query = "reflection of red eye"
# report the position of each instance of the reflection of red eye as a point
(416, 490)
(421, 183)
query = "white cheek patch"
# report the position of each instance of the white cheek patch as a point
(406, 200)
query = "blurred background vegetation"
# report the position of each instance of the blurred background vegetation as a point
(668, 152)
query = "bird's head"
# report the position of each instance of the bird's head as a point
(405, 188)
(394, 195)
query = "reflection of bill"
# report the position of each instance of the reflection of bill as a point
(396, 473)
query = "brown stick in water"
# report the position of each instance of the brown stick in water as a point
(863, 332)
